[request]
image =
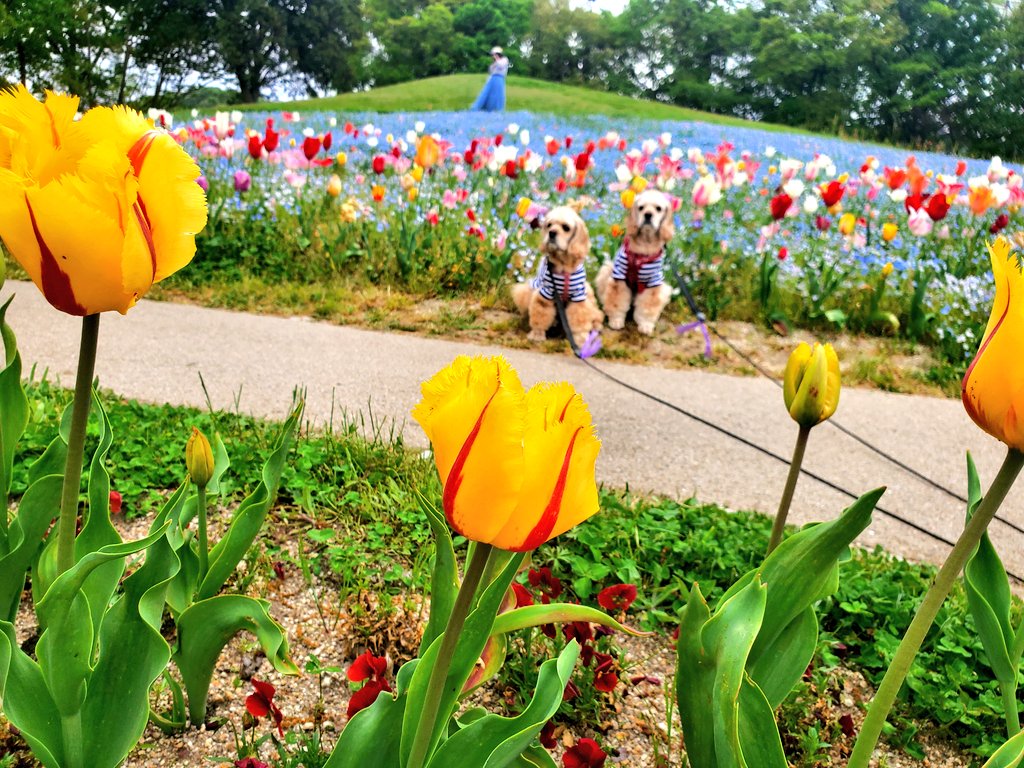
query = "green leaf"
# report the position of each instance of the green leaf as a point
(1010, 755)
(374, 735)
(777, 671)
(36, 510)
(493, 741)
(555, 613)
(209, 625)
(444, 580)
(710, 674)
(248, 518)
(759, 735)
(988, 594)
(13, 414)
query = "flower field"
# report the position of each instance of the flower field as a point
(781, 229)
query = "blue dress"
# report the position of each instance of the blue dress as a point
(492, 97)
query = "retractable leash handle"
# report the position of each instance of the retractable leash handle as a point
(700, 320)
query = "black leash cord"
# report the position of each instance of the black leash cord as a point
(739, 438)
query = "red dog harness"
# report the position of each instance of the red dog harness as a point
(639, 271)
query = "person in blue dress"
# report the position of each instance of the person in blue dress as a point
(492, 97)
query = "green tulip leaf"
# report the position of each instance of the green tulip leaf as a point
(207, 626)
(373, 735)
(13, 415)
(758, 733)
(26, 700)
(444, 580)
(249, 517)
(36, 510)
(493, 741)
(492, 658)
(471, 642)
(988, 594)
(1010, 755)
(712, 654)
(557, 613)
(779, 668)
(221, 463)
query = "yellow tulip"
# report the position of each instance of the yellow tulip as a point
(428, 152)
(887, 269)
(811, 384)
(517, 467)
(523, 207)
(98, 210)
(341, 159)
(199, 458)
(627, 197)
(639, 183)
(993, 387)
(846, 223)
(334, 185)
(889, 231)
(412, 194)
(417, 172)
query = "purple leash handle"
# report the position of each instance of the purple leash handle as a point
(592, 345)
(685, 328)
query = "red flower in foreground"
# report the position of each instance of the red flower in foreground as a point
(271, 138)
(261, 703)
(617, 597)
(549, 586)
(586, 754)
(547, 736)
(832, 193)
(780, 204)
(579, 631)
(115, 503)
(371, 669)
(250, 762)
(605, 677)
(255, 146)
(378, 164)
(937, 206)
(327, 141)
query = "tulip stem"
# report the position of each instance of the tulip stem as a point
(787, 494)
(885, 696)
(76, 444)
(204, 553)
(424, 737)
(1010, 710)
(71, 727)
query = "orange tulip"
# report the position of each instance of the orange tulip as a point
(980, 200)
(993, 387)
(96, 211)
(428, 152)
(517, 467)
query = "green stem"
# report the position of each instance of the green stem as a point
(76, 444)
(1010, 710)
(424, 736)
(787, 494)
(204, 545)
(926, 613)
(71, 727)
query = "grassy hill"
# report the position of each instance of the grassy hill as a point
(454, 92)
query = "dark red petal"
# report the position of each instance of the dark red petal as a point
(364, 697)
(257, 705)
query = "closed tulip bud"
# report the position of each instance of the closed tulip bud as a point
(428, 152)
(243, 181)
(523, 207)
(341, 159)
(846, 223)
(417, 172)
(811, 384)
(627, 197)
(991, 389)
(639, 183)
(889, 231)
(334, 185)
(199, 458)
(887, 269)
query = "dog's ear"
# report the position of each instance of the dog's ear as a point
(632, 227)
(579, 246)
(667, 230)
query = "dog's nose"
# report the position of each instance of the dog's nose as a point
(552, 234)
(648, 216)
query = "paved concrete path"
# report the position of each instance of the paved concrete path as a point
(157, 352)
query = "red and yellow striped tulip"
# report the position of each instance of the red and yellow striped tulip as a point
(517, 467)
(98, 210)
(993, 387)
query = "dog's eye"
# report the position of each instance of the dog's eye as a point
(565, 227)
(657, 208)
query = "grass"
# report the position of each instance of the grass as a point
(457, 92)
(354, 498)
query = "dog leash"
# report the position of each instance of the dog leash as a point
(564, 321)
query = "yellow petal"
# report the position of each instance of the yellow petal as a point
(38, 140)
(795, 367)
(559, 489)
(474, 414)
(830, 400)
(993, 387)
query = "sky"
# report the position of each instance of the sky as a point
(615, 6)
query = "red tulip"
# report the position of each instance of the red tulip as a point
(498, 139)
(553, 147)
(913, 202)
(115, 503)
(582, 161)
(378, 164)
(396, 152)
(510, 169)
(311, 147)
(1002, 222)
(783, 253)
(937, 206)
(822, 223)
(255, 146)
(271, 139)
(780, 204)
(961, 167)
(327, 141)
(832, 193)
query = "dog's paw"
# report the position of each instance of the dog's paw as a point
(646, 328)
(616, 323)
(536, 336)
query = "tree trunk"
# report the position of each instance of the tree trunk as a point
(124, 74)
(22, 64)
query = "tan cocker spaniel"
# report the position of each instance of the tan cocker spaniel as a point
(564, 246)
(636, 278)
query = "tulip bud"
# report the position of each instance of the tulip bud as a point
(887, 269)
(341, 159)
(846, 223)
(199, 458)
(334, 185)
(811, 384)
(889, 231)
(627, 196)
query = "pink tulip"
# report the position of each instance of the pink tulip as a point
(919, 222)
